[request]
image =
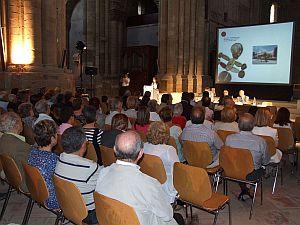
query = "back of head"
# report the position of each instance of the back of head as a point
(166, 114)
(192, 95)
(128, 146)
(95, 102)
(147, 94)
(24, 109)
(119, 121)
(42, 107)
(228, 101)
(206, 101)
(178, 109)
(263, 117)
(143, 116)
(198, 115)
(158, 133)
(205, 94)
(228, 115)
(165, 98)
(66, 113)
(104, 98)
(44, 131)
(131, 102)
(89, 112)
(72, 139)
(68, 96)
(185, 96)
(77, 104)
(152, 105)
(115, 104)
(283, 116)
(246, 122)
(10, 122)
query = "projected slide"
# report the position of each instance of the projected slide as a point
(255, 54)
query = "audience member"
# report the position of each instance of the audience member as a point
(12, 103)
(68, 98)
(93, 134)
(119, 124)
(228, 120)
(124, 182)
(42, 157)
(178, 119)
(43, 110)
(67, 119)
(78, 107)
(115, 107)
(100, 116)
(145, 99)
(198, 132)
(143, 120)
(131, 106)
(252, 110)
(283, 118)
(154, 116)
(208, 112)
(227, 102)
(104, 105)
(192, 99)
(78, 170)
(164, 101)
(26, 112)
(187, 108)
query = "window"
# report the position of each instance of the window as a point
(273, 13)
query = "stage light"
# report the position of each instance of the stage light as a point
(80, 46)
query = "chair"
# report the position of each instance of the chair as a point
(38, 192)
(108, 155)
(112, 212)
(91, 152)
(70, 200)
(224, 133)
(154, 167)
(272, 151)
(13, 178)
(237, 164)
(194, 189)
(58, 148)
(28, 134)
(297, 128)
(172, 142)
(199, 154)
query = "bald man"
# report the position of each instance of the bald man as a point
(125, 182)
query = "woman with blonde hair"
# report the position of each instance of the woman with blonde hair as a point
(157, 138)
(228, 120)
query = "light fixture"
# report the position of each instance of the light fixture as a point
(80, 46)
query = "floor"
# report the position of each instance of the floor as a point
(283, 208)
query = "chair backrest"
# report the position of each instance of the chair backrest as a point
(197, 153)
(108, 155)
(172, 142)
(113, 212)
(224, 133)
(35, 183)
(28, 134)
(11, 170)
(192, 183)
(154, 167)
(297, 128)
(58, 148)
(70, 200)
(270, 144)
(236, 162)
(285, 138)
(91, 152)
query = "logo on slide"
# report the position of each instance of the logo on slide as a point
(223, 34)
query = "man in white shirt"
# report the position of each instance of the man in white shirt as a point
(43, 109)
(125, 182)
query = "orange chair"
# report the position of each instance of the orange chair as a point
(38, 192)
(108, 155)
(224, 133)
(194, 189)
(172, 142)
(154, 167)
(28, 134)
(91, 152)
(113, 212)
(237, 164)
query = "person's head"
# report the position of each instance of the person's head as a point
(68, 96)
(104, 99)
(11, 122)
(77, 104)
(73, 141)
(225, 92)
(116, 104)
(241, 93)
(178, 109)
(89, 112)
(34, 99)
(170, 100)
(152, 105)
(45, 133)
(192, 96)
(67, 115)
(129, 147)
(206, 101)
(158, 133)
(59, 98)
(283, 116)
(42, 107)
(143, 116)
(228, 115)
(205, 94)
(131, 102)
(23, 96)
(95, 102)
(198, 115)
(263, 117)
(119, 122)
(166, 114)
(165, 98)
(147, 94)
(12, 98)
(185, 96)
(228, 101)
(246, 122)
(252, 110)
(25, 110)
(154, 79)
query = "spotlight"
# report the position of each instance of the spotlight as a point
(80, 46)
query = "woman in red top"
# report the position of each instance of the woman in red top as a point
(178, 119)
(142, 122)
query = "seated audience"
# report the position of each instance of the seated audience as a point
(26, 112)
(228, 118)
(99, 114)
(12, 103)
(43, 110)
(42, 157)
(245, 139)
(124, 182)
(227, 102)
(119, 124)
(93, 134)
(78, 170)
(198, 132)
(187, 107)
(166, 100)
(178, 119)
(208, 112)
(192, 99)
(145, 99)
(283, 118)
(104, 105)
(11, 142)
(143, 120)
(68, 98)
(157, 139)
(154, 116)
(78, 107)
(175, 130)
(131, 105)
(252, 110)
(115, 108)
(67, 119)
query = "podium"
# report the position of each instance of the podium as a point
(154, 92)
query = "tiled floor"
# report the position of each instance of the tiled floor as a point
(282, 208)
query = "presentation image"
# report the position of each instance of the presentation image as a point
(255, 54)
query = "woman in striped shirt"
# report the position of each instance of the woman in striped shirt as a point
(93, 134)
